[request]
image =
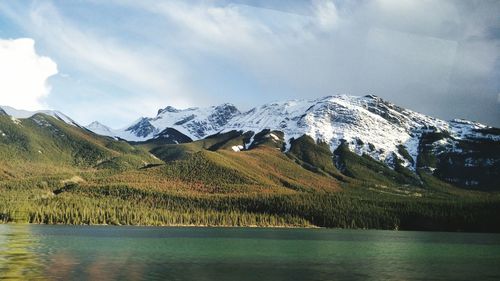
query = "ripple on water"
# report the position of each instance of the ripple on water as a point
(33, 252)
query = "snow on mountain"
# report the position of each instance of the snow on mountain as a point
(125, 134)
(100, 129)
(369, 124)
(464, 129)
(195, 123)
(21, 114)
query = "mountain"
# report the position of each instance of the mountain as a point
(46, 141)
(316, 162)
(366, 125)
(100, 129)
(17, 113)
(194, 123)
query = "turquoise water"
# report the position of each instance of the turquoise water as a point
(31, 252)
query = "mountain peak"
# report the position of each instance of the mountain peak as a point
(371, 96)
(143, 128)
(96, 124)
(22, 114)
(99, 129)
(168, 109)
(227, 107)
(367, 124)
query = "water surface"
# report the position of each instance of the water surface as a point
(30, 252)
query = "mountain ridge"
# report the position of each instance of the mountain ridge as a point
(21, 113)
(460, 152)
(369, 124)
(54, 172)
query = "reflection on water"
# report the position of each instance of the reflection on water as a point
(148, 253)
(18, 259)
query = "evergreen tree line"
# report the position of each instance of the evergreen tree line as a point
(122, 205)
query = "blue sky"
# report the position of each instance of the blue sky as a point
(119, 60)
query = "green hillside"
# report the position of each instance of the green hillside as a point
(52, 172)
(43, 139)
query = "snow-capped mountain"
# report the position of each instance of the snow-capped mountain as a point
(369, 125)
(460, 152)
(195, 123)
(20, 114)
(100, 129)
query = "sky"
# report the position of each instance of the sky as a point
(115, 61)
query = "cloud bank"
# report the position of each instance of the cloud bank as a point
(24, 74)
(441, 58)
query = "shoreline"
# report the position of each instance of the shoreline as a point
(247, 227)
(175, 225)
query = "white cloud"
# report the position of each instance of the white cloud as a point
(24, 74)
(209, 27)
(326, 14)
(274, 46)
(114, 61)
(417, 53)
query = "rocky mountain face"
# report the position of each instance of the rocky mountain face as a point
(468, 155)
(192, 123)
(195, 123)
(461, 152)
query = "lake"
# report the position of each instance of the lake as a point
(32, 252)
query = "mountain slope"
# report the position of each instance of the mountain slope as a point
(194, 123)
(366, 125)
(100, 129)
(17, 113)
(52, 172)
(392, 144)
(46, 140)
(369, 125)
(471, 161)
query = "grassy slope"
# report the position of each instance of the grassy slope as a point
(81, 178)
(45, 140)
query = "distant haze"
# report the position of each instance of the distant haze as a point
(115, 61)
